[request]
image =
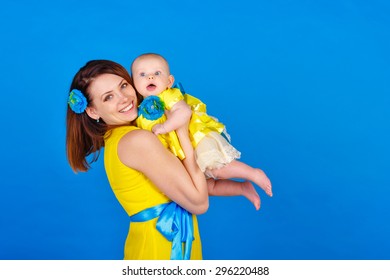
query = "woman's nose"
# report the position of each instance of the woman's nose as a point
(122, 96)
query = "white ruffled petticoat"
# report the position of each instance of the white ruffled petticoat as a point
(214, 152)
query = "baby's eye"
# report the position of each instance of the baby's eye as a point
(157, 73)
(142, 74)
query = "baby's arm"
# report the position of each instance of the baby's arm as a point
(179, 114)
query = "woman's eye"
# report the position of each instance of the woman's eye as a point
(157, 73)
(108, 97)
(124, 85)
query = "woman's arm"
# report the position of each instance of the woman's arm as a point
(184, 182)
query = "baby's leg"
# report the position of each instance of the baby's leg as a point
(238, 169)
(233, 188)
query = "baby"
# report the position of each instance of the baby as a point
(164, 109)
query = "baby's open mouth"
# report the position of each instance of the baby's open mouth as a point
(151, 87)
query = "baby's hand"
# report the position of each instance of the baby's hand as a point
(159, 129)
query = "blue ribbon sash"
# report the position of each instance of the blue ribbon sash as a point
(174, 223)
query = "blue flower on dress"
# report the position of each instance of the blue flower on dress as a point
(151, 108)
(77, 101)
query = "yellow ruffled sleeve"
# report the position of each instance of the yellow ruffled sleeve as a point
(195, 103)
(170, 97)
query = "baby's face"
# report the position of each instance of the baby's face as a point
(151, 75)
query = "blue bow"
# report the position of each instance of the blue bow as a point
(180, 87)
(175, 224)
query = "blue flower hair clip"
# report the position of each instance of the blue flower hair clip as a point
(77, 101)
(151, 108)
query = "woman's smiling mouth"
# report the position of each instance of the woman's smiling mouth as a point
(128, 108)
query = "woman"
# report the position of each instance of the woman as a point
(157, 190)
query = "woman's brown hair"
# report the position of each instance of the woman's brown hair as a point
(84, 135)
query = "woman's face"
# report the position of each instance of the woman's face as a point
(113, 99)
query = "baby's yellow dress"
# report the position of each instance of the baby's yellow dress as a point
(135, 192)
(208, 136)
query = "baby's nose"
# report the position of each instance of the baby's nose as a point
(151, 77)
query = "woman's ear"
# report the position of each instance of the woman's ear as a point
(171, 81)
(91, 112)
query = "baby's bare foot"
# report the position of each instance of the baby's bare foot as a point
(250, 193)
(263, 182)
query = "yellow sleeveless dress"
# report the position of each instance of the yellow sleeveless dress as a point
(135, 192)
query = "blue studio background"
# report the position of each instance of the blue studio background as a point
(302, 86)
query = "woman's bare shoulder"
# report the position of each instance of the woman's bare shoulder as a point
(136, 138)
(138, 145)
